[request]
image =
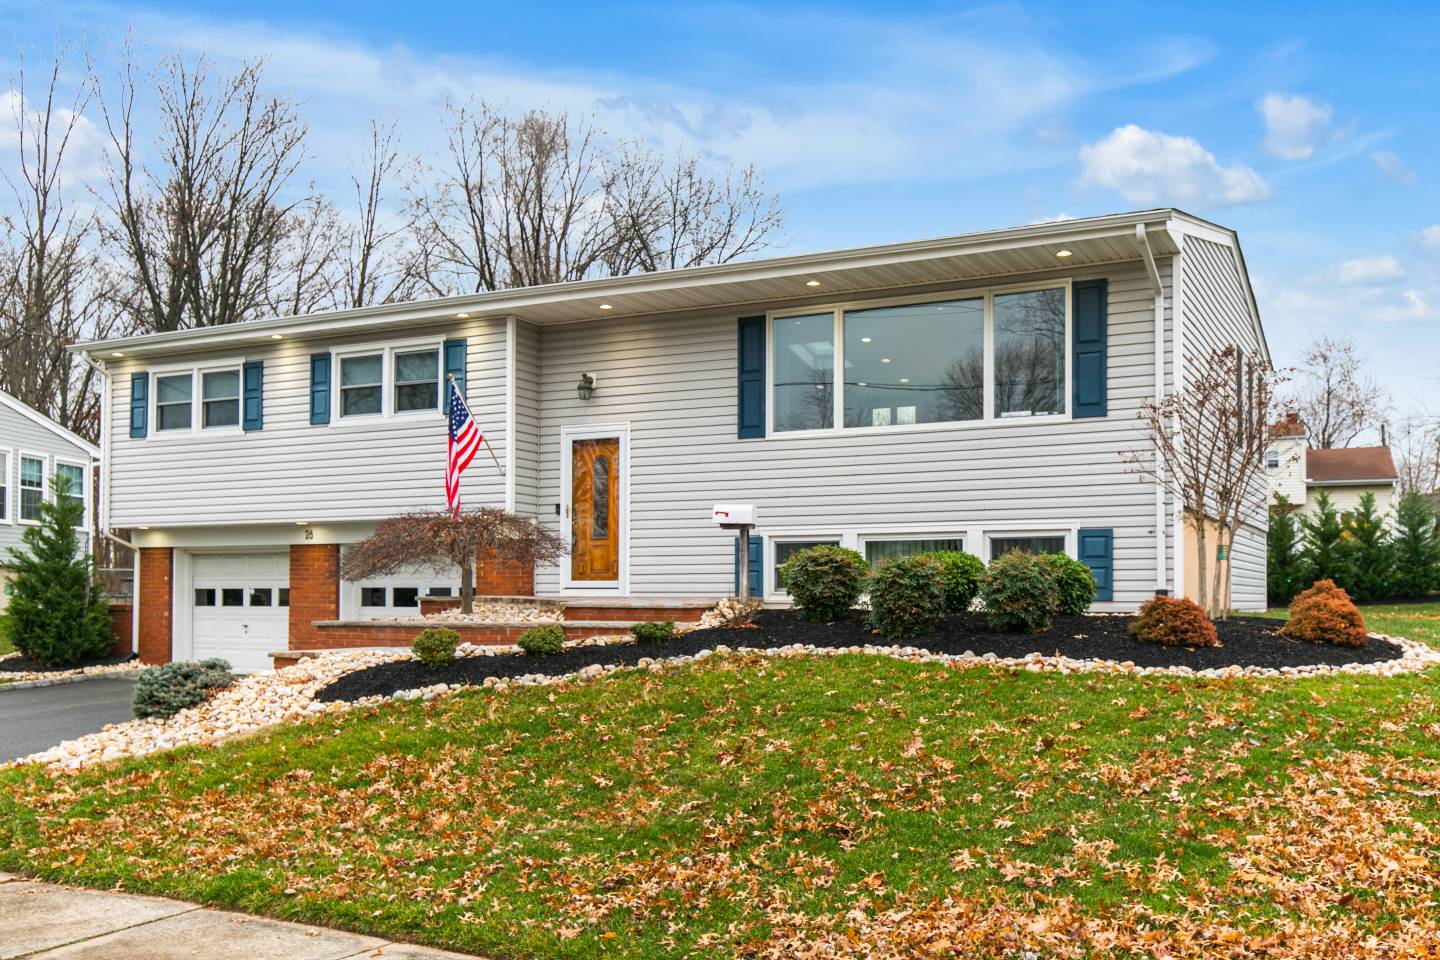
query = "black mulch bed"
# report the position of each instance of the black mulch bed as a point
(27, 665)
(1247, 641)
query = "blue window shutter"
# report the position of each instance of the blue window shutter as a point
(319, 388)
(752, 378)
(1088, 360)
(139, 403)
(454, 364)
(756, 565)
(254, 394)
(1096, 548)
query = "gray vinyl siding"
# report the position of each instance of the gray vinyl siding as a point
(1216, 313)
(19, 435)
(673, 381)
(527, 419)
(293, 470)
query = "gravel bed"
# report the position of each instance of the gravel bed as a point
(1250, 644)
(16, 668)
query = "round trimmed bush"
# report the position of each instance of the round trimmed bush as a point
(960, 577)
(657, 632)
(1019, 593)
(165, 690)
(1074, 583)
(824, 582)
(906, 597)
(435, 646)
(1174, 622)
(1325, 614)
(542, 641)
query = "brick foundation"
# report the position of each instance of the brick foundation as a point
(156, 595)
(121, 626)
(576, 611)
(314, 590)
(347, 634)
(504, 578)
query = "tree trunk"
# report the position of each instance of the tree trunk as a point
(1200, 567)
(467, 588)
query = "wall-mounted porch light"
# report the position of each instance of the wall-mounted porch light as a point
(586, 386)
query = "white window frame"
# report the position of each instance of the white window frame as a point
(11, 473)
(199, 390)
(1273, 453)
(387, 353)
(44, 482)
(197, 386)
(84, 523)
(1067, 534)
(987, 293)
(866, 538)
(352, 606)
(772, 571)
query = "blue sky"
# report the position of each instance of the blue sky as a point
(1309, 128)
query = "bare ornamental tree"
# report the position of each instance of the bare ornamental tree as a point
(1334, 396)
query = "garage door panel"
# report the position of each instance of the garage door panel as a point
(240, 608)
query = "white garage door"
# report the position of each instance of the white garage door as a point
(241, 608)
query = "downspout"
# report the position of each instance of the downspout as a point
(103, 526)
(1147, 254)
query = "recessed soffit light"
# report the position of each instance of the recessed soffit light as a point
(117, 353)
(276, 336)
(462, 316)
(812, 283)
(606, 306)
(864, 339)
(1062, 254)
(884, 359)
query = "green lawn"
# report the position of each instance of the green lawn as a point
(756, 808)
(5, 645)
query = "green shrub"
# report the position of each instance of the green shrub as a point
(1326, 556)
(1285, 570)
(960, 576)
(1019, 593)
(1417, 548)
(906, 597)
(1074, 583)
(1174, 622)
(435, 647)
(543, 641)
(824, 582)
(165, 690)
(1369, 552)
(657, 632)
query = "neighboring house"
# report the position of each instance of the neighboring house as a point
(1299, 471)
(974, 392)
(33, 449)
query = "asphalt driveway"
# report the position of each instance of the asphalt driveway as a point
(38, 718)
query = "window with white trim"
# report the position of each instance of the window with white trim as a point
(5, 485)
(417, 380)
(1272, 459)
(220, 398)
(32, 487)
(174, 395)
(1026, 543)
(987, 355)
(785, 549)
(880, 549)
(74, 477)
(362, 385)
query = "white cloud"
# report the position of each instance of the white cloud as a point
(1370, 270)
(1294, 125)
(1152, 168)
(1430, 238)
(1392, 166)
(84, 159)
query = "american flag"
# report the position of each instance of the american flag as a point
(465, 440)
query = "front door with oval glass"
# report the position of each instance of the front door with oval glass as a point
(595, 510)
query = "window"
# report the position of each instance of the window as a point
(71, 478)
(600, 499)
(220, 398)
(915, 363)
(1030, 353)
(439, 592)
(204, 596)
(261, 596)
(1272, 459)
(361, 385)
(232, 597)
(173, 395)
(282, 598)
(417, 380)
(785, 549)
(804, 352)
(4, 485)
(878, 551)
(406, 596)
(32, 487)
(372, 596)
(999, 546)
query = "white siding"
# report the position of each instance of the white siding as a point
(20, 435)
(674, 383)
(1217, 314)
(527, 419)
(291, 470)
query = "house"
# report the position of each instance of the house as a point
(1299, 471)
(33, 450)
(974, 392)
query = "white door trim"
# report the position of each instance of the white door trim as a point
(568, 435)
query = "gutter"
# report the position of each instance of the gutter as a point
(102, 525)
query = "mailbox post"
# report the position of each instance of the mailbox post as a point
(741, 518)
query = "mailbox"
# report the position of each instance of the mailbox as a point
(734, 514)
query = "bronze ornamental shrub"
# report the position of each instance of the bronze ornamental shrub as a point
(542, 641)
(1020, 594)
(824, 582)
(960, 577)
(1324, 614)
(906, 598)
(435, 646)
(1174, 622)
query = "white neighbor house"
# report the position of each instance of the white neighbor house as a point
(33, 449)
(972, 392)
(1299, 472)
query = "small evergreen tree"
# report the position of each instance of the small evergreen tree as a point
(1325, 554)
(1368, 554)
(56, 614)
(1417, 548)
(1286, 571)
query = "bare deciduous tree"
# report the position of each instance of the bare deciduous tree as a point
(377, 267)
(435, 539)
(1416, 445)
(1208, 442)
(1334, 396)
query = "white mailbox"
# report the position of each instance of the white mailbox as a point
(734, 514)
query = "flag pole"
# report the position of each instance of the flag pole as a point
(483, 439)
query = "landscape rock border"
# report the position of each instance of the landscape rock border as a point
(51, 678)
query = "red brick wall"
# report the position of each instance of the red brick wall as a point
(121, 627)
(382, 634)
(314, 590)
(503, 578)
(155, 590)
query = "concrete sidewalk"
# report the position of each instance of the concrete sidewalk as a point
(43, 920)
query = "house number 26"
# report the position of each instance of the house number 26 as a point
(309, 534)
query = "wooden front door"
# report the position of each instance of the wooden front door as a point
(595, 509)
